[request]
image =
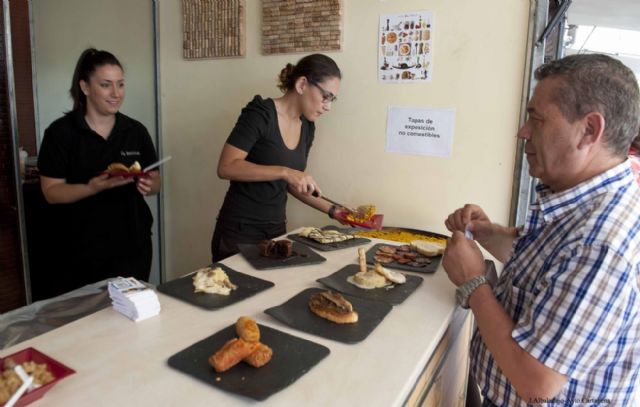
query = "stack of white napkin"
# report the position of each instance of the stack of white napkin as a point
(133, 299)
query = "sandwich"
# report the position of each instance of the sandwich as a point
(119, 168)
(333, 306)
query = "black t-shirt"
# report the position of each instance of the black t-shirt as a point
(257, 133)
(115, 221)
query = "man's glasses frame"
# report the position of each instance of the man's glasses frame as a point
(327, 97)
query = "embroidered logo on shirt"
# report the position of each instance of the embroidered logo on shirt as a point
(129, 153)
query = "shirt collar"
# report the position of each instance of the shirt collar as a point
(80, 121)
(550, 206)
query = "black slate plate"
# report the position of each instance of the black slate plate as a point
(302, 256)
(292, 358)
(329, 246)
(429, 268)
(182, 289)
(394, 294)
(296, 313)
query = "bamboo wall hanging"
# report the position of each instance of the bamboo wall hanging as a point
(213, 28)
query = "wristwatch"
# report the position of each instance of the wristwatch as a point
(463, 292)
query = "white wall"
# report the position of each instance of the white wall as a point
(64, 28)
(478, 65)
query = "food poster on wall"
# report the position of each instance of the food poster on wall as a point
(424, 131)
(405, 47)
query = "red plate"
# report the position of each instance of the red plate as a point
(58, 370)
(126, 174)
(374, 223)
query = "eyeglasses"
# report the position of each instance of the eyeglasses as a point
(327, 97)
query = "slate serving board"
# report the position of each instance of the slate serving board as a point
(302, 256)
(429, 268)
(182, 289)
(358, 241)
(292, 358)
(296, 313)
(394, 294)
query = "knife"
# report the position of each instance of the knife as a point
(317, 195)
(157, 164)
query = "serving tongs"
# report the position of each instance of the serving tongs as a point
(374, 222)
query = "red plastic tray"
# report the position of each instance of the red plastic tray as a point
(59, 371)
(374, 223)
(127, 174)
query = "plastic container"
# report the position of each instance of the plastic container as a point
(58, 370)
(23, 160)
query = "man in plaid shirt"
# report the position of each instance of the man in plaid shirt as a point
(562, 325)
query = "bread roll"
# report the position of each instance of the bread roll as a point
(247, 329)
(260, 357)
(135, 167)
(117, 167)
(429, 249)
(230, 354)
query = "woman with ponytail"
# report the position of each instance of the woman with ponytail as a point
(265, 156)
(107, 222)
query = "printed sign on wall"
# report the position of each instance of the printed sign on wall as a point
(420, 131)
(405, 47)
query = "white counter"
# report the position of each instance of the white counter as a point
(122, 363)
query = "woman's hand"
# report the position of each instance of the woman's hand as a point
(302, 182)
(103, 182)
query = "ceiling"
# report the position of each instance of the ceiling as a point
(623, 14)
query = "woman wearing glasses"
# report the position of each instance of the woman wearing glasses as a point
(265, 156)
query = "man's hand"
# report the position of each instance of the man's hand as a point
(496, 239)
(462, 259)
(472, 218)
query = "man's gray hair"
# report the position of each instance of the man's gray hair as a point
(598, 83)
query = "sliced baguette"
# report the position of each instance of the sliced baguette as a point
(429, 249)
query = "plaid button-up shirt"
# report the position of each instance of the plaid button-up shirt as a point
(571, 287)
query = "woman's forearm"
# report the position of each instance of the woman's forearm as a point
(60, 193)
(245, 171)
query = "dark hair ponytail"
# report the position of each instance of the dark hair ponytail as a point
(315, 67)
(89, 60)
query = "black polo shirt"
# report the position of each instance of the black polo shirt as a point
(112, 222)
(257, 132)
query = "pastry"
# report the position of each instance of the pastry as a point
(247, 329)
(230, 354)
(260, 356)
